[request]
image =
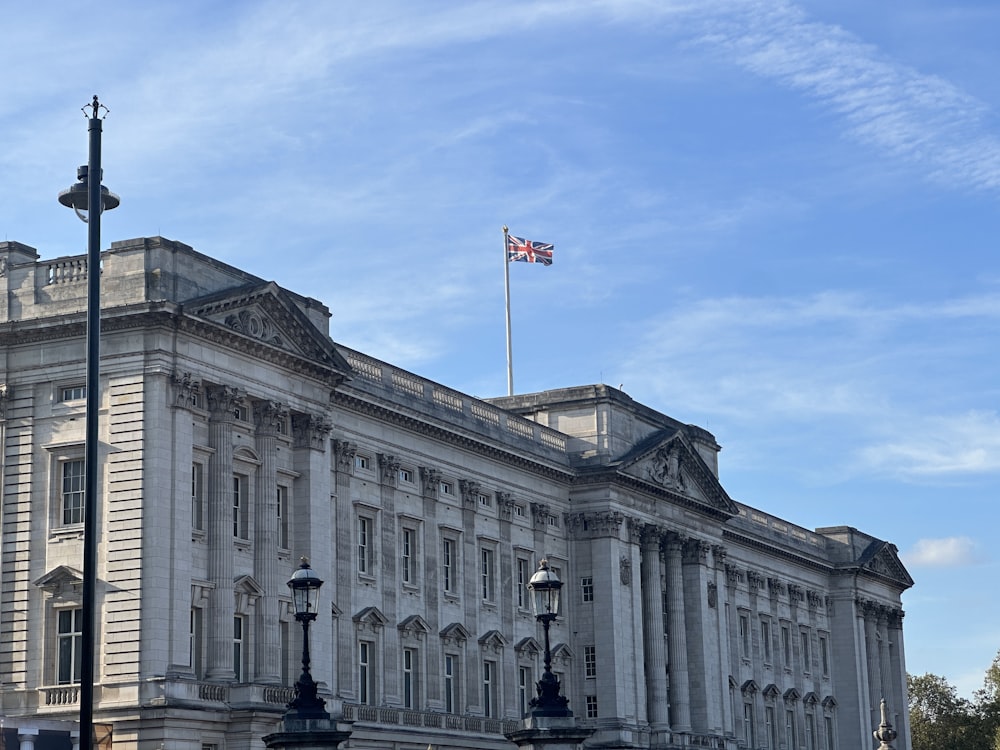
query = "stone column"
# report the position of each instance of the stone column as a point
(884, 657)
(389, 550)
(345, 562)
(898, 675)
(430, 480)
(703, 655)
(26, 737)
(680, 695)
(654, 646)
(222, 402)
(868, 609)
(267, 416)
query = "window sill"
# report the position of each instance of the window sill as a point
(62, 533)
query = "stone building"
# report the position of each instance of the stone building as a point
(238, 436)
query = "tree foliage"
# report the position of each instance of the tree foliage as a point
(940, 719)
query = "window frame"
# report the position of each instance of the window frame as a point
(282, 496)
(586, 589)
(488, 574)
(73, 637)
(241, 506)
(590, 661)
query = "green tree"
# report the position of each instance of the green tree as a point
(942, 720)
(987, 704)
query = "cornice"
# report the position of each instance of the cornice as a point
(780, 552)
(611, 475)
(447, 435)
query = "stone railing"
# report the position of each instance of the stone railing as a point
(782, 528)
(437, 397)
(61, 695)
(429, 719)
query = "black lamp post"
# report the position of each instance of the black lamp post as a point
(305, 585)
(544, 587)
(81, 197)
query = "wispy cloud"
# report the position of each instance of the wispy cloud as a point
(947, 552)
(921, 118)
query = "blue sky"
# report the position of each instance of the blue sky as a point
(776, 220)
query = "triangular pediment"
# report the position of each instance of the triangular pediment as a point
(668, 462)
(265, 313)
(415, 626)
(371, 616)
(882, 559)
(62, 582)
(454, 632)
(493, 639)
(528, 647)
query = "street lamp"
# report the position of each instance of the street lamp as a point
(305, 585)
(544, 587)
(83, 195)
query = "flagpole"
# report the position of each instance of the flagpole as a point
(506, 288)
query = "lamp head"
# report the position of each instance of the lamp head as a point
(77, 196)
(305, 585)
(544, 587)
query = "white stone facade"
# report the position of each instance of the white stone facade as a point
(237, 436)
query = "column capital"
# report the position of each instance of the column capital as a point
(269, 416)
(222, 402)
(344, 453)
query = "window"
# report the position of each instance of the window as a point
(198, 497)
(771, 729)
(241, 507)
(810, 732)
(70, 634)
(488, 574)
(519, 511)
(73, 393)
(804, 636)
(831, 740)
(365, 545)
(195, 649)
(285, 646)
(748, 724)
(366, 672)
(591, 701)
(362, 462)
(283, 517)
(553, 521)
(407, 572)
(448, 565)
(409, 678)
(790, 728)
(405, 475)
(72, 493)
(242, 413)
(239, 648)
(786, 646)
(587, 588)
(485, 500)
(489, 688)
(590, 661)
(450, 683)
(745, 636)
(824, 655)
(765, 640)
(524, 688)
(522, 583)
(447, 488)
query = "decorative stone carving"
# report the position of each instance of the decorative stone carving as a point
(814, 599)
(696, 551)
(734, 576)
(223, 400)
(795, 594)
(634, 528)
(776, 586)
(592, 525)
(311, 430)
(345, 453)
(719, 555)
(430, 480)
(756, 581)
(665, 467)
(625, 570)
(269, 416)
(540, 514)
(713, 595)
(187, 390)
(505, 505)
(389, 468)
(470, 492)
(255, 325)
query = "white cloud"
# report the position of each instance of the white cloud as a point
(948, 552)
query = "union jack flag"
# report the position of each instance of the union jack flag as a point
(527, 251)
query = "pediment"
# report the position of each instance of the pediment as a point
(371, 616)
(667, 461)
(528, 647)
(61, 582)
(454, 632)
(882, 559)
(493, 639)
(414, 625)
(266, 313)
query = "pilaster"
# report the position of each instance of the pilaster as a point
(680, 696)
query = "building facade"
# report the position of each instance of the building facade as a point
(236, 436)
